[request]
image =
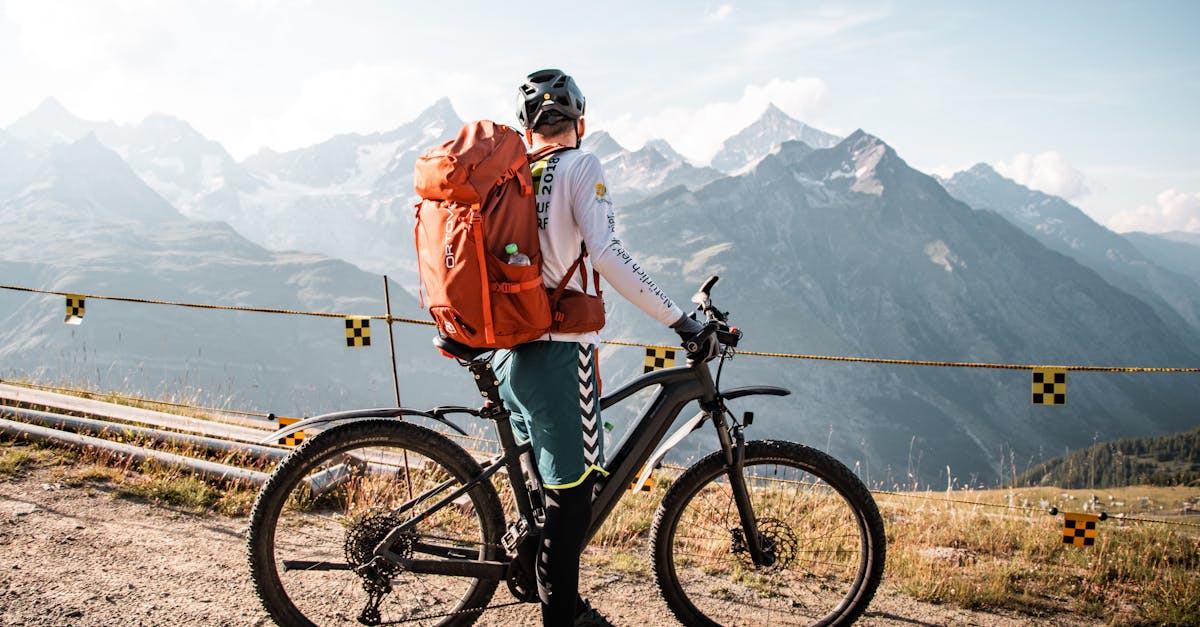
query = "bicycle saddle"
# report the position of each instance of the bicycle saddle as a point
(458, 350)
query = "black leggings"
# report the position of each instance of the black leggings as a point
(568, 513)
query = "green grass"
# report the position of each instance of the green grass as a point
(16, 460)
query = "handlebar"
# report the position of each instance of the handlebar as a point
(717, 321)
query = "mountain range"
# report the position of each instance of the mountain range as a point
(825, 246)
(82, 221)
(849, 251)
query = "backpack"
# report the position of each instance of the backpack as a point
(477, 197)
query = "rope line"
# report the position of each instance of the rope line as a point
(271, 310)
(914, 362)
(909, 495)
(1118, 516)
(390, 319)
(493, 443)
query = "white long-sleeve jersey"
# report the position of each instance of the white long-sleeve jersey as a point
(574, 208)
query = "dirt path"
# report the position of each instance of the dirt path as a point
(81, 556)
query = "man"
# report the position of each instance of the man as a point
(550, 385)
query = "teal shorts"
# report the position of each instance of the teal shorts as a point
(551, 390)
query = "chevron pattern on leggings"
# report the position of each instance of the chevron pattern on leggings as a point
(587, 405)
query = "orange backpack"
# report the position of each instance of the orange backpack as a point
(478, 197)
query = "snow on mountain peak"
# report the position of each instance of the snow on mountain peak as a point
(663, 148)
(438, 117)
(50, 123)
(602, 145)
(762, 137)
(860, 156)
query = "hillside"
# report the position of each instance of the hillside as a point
(849, 251)
(84, 222)
(828, 248)
(1167, 460)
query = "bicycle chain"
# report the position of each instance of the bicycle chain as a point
(455, 613)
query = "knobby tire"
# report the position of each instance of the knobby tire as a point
(373, 467)
(815, 518)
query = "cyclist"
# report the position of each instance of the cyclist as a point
(551, 384)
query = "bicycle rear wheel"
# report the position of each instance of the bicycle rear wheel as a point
(816, 521)
(316, 522)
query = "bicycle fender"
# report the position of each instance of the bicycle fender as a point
(325, 420)
(682, 432)
(755, 390)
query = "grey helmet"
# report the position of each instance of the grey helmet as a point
(545, 91)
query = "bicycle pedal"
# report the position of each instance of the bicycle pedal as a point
(516, 533)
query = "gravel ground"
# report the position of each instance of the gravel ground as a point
(81, 556)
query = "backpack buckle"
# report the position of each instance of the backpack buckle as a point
(474, 216)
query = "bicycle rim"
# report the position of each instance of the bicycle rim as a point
(815, 520)
(316, 523)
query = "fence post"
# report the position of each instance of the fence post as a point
(387, 299)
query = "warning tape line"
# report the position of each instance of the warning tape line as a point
(1051, 511)
(390, 319)
(151, 301)
(458, 436)
(913, 362)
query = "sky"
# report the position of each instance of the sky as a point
(1095, 101)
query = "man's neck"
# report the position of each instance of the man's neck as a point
(540, 141)
(569, 137)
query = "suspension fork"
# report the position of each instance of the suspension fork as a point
(733, 445)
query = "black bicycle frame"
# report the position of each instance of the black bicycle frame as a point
(678, 387)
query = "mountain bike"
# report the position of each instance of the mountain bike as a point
(379, 520)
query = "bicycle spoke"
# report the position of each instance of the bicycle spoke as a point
(811, 536)
(335, 504)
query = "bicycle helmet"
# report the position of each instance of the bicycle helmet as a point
(545, 91)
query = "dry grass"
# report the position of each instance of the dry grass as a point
(1005, 555)
(978, 557)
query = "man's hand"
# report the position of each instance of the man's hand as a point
(688, 329)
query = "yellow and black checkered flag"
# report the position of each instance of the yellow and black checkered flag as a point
(1080, 529)
(646, 487)
(290, 440)
(1049, 386)
(358, 331)
(74, 309)
(658, 358)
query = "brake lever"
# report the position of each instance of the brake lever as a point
(693, 345)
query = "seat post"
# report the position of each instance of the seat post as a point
(494, 410)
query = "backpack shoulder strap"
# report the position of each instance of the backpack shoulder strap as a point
(546, 151)
(578, 265)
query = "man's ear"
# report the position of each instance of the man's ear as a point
(580, 127)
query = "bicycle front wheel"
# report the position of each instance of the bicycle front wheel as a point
(317, 521)
(817, 524)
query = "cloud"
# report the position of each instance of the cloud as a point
(1173, 211)
(373, 97)
(1047, 172)
(775, 38)
(719, 14)
(81, 36)
(699, 133)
